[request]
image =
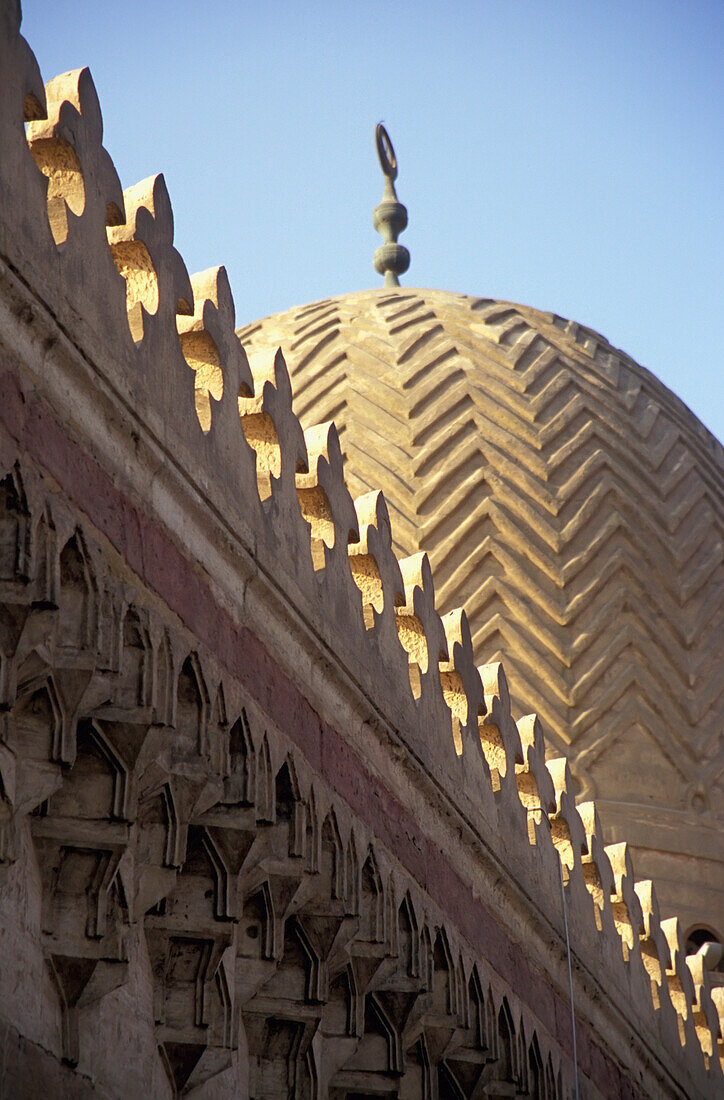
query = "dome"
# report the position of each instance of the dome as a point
(573, 506)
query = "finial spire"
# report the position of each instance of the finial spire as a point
(390, 216)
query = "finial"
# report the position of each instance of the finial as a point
(390, 216)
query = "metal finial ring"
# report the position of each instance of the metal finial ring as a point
(385, 152)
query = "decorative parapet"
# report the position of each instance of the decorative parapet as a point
(171, 540)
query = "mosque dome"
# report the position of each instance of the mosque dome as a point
(574, 507)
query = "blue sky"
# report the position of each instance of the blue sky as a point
(567, 155)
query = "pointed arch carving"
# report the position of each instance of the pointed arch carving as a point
(240, 785)
(378, 1019)
(444, 989)
(165, 695)
(312, 833)
(536, 1074)
(331, 861)
(344, 988)
(506, 1044)
(45, 562)
(372, 901)
(264, 783)
(426, 959)
(15, 547)
(288, 806)
(135, 682)
(160, 827)
(223, 886)
(461, 991)
(420, 1069)
(351, 878)
(97, 784)
(258, 928)
(316, 977)
(553, 1091)
(38, 719)
(77, 601)
(408, 938)
(191, 712)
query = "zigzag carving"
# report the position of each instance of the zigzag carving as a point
(139, 443)
(566, 499)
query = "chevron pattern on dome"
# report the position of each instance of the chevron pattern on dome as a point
(568, 500)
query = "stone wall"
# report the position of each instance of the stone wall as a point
(266, 829)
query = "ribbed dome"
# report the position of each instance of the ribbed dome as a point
(573, 505)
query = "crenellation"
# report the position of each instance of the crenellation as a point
(376, 572)
(23, 101)
(326, 503)
(420, 630)
(158, 287)
(187, 817)
(201, 350)
(656, 957)
(534, 781)
(625, 904)
(84, 192)
(499, 735)
(717, 996)
(705, 1015)
(597, 870)
(461, 687)
(567, 828)
(679, 981)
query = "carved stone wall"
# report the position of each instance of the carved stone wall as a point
(167, 838)
(267, 831)
(177, 873)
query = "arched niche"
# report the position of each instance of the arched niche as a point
(77, 596)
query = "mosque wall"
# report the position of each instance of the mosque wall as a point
(266, 829)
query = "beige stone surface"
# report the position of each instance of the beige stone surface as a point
(574, 507)
(266, 830)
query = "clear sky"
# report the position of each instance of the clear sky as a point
(567, 154)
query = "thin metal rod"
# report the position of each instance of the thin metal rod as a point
(570, 981)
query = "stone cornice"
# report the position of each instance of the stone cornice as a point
(258, 581)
